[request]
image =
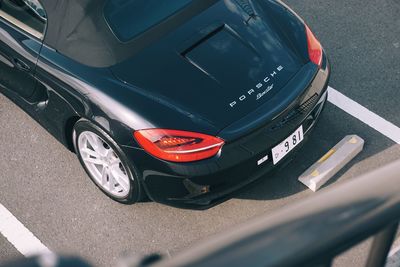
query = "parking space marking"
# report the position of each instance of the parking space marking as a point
(379, 124)
(363, 114)
(19, 236)
(394, 250)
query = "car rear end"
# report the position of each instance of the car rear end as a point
(243, 158)
(264, 101)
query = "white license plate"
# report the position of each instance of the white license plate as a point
(287, 145)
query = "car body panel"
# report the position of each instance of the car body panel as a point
(18, 56)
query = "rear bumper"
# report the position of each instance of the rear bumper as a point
(202, 184)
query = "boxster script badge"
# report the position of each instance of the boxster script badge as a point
(261, 89)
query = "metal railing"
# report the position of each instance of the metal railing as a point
(309, 233)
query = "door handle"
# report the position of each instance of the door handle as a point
(19, 64)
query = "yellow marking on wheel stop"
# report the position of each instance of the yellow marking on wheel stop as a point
(353, 140)
(315, 173)
(327, 155)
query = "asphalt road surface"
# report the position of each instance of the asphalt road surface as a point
(44, 186)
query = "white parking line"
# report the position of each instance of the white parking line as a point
(376, 122)
(394, 250)
(361, 113)
(393, 259)
(394, 254)
(19, 236)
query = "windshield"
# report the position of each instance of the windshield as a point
(129, 18)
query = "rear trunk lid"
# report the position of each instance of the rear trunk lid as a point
(220, 65)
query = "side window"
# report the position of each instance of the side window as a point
(28, 15)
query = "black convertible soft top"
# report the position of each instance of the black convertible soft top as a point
(78, 29)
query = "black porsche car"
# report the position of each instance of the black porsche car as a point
(185, 101)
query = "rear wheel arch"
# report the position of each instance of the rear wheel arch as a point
(69, 129)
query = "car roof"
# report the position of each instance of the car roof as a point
(78, 29)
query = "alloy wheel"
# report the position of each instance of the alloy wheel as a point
(104, 165)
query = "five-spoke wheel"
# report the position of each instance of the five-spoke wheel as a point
(105, 163)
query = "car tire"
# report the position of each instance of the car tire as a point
(105, 163)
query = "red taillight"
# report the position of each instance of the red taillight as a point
(178, 146)
(314, 47)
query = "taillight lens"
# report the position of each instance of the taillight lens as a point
(178, 146)
(314, 47)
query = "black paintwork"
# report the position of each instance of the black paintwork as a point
(186, 79)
